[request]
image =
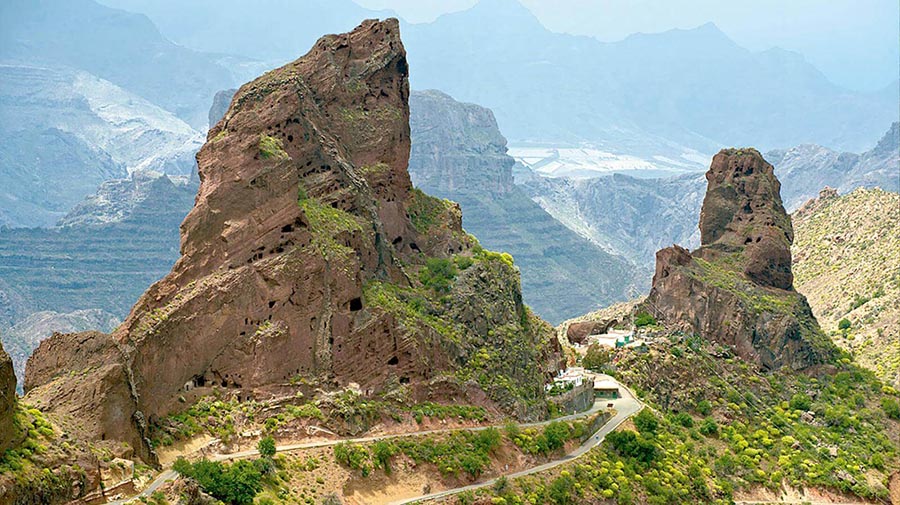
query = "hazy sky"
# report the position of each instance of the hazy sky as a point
(856, 43)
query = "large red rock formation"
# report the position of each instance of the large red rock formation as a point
(305, 202)
(736, 289)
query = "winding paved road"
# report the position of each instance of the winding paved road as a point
(625, 407)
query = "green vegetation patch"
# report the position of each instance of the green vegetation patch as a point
(425, 210)
(236, 483)
(438, 274)
(413, 308)
(326, 223)
(467, 452)
(271, 148)
(211, 415)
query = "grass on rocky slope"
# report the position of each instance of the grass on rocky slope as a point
(715, 428)
(847, 263)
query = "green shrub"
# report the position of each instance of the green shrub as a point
(644, 319)
(709, 427)
(596, 357)
(556, 434)
(704, 407)
(266, 447)
(382, 452)
(271, 148)
(844, 324)
(684, 419)
(438, 274)
(891, 408)
(354, 456)
(463, 262)
(631, 445)
(646, 422)
(801, 401)
(236, 483)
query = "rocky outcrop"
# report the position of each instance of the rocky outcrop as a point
(309, 256)
(578, 332)
(742, 212)
(8, 432)
(459, 153)
(220, 105)
(457, 146)
(736, 289)
(22, 338)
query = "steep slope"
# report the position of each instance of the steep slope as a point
(847, 263)
(308, 256)
(806, 169)
(459, 153)
(123, 48)
(648, 95)
(86, 130)
(737, 288)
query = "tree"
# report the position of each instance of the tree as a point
(266, 447)
(237, 483)
(596, 357)
(844, 324)
(646, 422)
(644, 319)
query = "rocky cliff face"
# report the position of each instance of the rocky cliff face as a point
(457, 146)
(220, 105)
(737, 288)
(8, 431)
(304, 257)
(459, 153)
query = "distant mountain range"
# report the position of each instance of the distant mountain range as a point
(659, 96)
(66, 131)
(805, 169)
(634, 217)
(650, 94)
(96, 89)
